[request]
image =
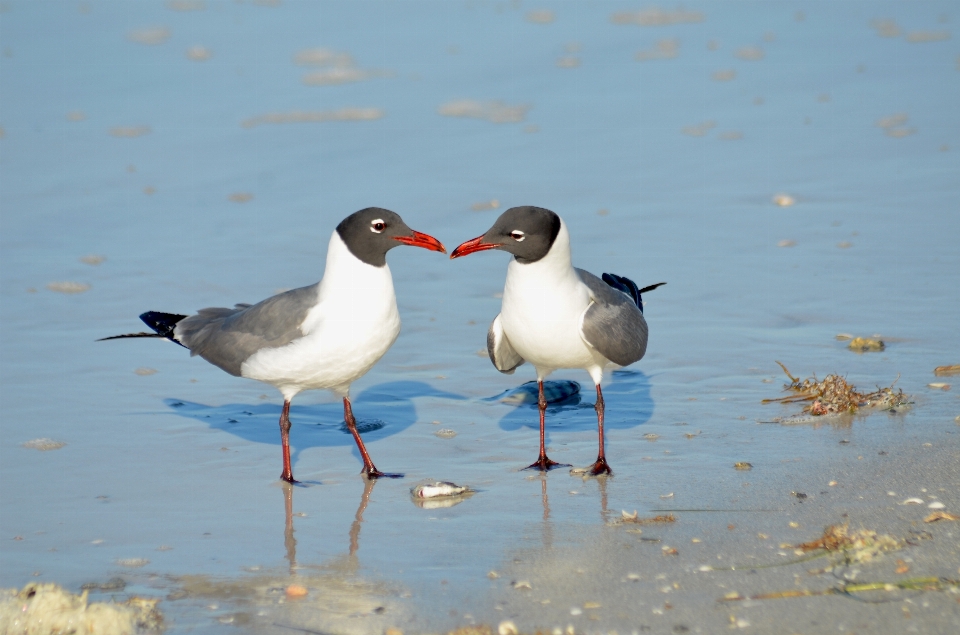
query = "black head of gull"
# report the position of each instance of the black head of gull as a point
(527, 232)
(370, 233)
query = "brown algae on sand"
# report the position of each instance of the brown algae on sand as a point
(42, 609)
(866, 345)
(833, 395)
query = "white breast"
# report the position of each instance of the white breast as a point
(353, 324)
(543, 302)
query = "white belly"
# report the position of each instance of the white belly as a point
(353, 324)
(542, 320)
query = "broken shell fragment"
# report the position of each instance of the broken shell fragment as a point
(939, 386)
(953, 369)
(913, 501)
(437, 489)
(743, 465)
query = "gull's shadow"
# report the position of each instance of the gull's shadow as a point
(381, 411)
(627, 398)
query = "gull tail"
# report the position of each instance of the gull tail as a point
(628, 286)
(163, 325)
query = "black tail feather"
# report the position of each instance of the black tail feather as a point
(162, 323)
(628, 286)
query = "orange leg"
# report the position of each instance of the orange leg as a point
(287, 474)
(600, 467)
(543, 463)
(369, 469)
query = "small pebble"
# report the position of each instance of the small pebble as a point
(296, 591)
(743, 465)
(445, 433)
(783, 200)
(576, 611)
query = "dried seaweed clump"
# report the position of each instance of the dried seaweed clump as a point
(833, 395)
(40, 609)
(862, 545)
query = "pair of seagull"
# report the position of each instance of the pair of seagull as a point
(328, 335)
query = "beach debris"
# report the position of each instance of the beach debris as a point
(848, 589)
(296, 591)
(521, 584)
(655, 16)
(634, 519)
(784, 200)
(93, 260)
(483, 206)
(939, 386)
(664, 50)
(48, 609)
(940, 515)
(150, 36)
(507, 627)
(133, 563)
(743, 465)
(43, 444)
(913, 501)
(700, 129)
(445, 433)
(941, 371)
(438, 489)
(894, 125)
(240, 197)
(143, 371)
(866, 345)
(750, 53)
(553, 392)
(199, 53)
(787, 243)
(833, 395)
(650, 436)
(724, 75)
(316, 116)
(493, 111)
(862, 545)
(129, 132)
(936, 505)
(542, 16)
(68, 287)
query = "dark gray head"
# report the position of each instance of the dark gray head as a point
(526, 232)
(370, 233)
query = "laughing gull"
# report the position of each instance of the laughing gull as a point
(557, 316)
(326, 335)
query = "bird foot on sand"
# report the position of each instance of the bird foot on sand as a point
(375, 473)
(544, 464)
(600, 467)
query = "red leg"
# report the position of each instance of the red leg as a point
(543, 463)
(600, 467)
(369, 469)
(287, 474)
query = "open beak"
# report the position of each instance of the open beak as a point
(422, 240)
(471, 246)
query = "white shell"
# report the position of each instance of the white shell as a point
(437, 489)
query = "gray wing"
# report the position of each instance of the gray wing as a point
(612, 323)
(227, 337)
(501, 352)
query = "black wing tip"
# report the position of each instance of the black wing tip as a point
(162, 323)
(652, 287)
(126, 335)
(628, 286)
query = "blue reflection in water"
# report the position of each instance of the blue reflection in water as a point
(381, 411)
(627, 398)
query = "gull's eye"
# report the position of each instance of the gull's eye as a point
(377, 226)
(517, 235)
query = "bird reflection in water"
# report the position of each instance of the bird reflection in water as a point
(290, 542)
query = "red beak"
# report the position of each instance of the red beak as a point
(422, 240)
(471, 246)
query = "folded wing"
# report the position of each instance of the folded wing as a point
(227, 337)
(613, 323)
(501, 352)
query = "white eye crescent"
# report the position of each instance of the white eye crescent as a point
(377, 226)
(517, 235)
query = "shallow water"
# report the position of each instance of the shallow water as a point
(119, 142)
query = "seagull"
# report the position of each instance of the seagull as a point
(557, 316)
(326, 335)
